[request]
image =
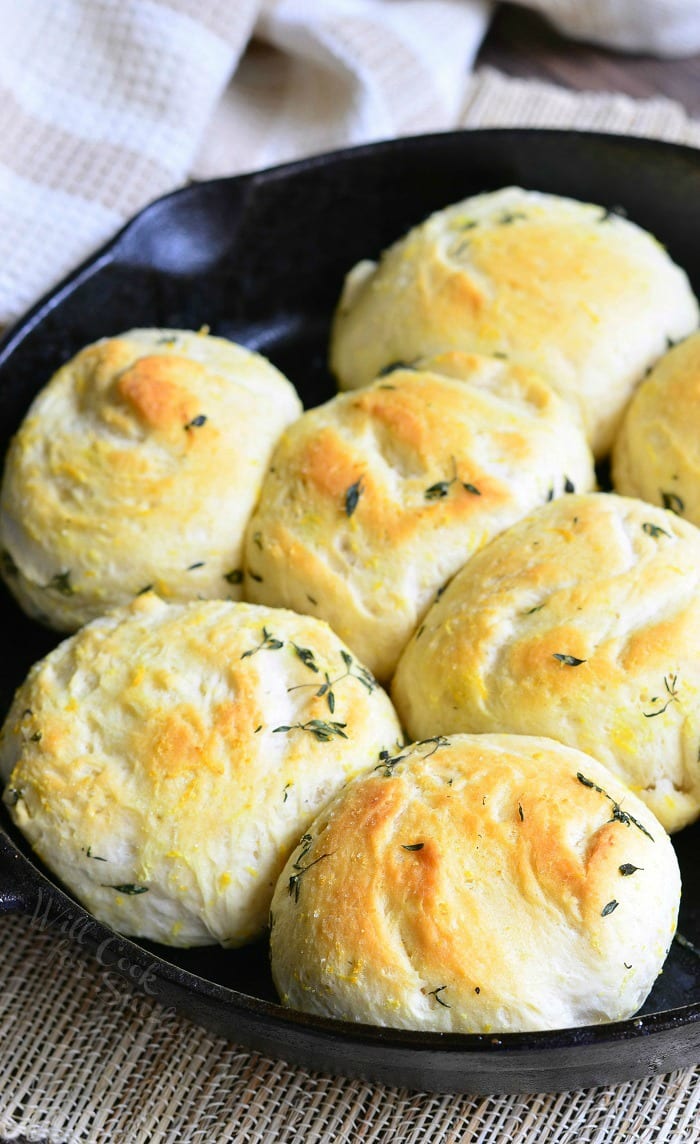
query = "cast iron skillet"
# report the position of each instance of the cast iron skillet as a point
(261, 259)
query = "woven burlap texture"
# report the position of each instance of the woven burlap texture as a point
(84, 1059)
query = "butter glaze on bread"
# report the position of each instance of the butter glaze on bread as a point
(657, 451)
(138, 466)
(165, 759)
(581, 622)
(481, 884)
(569, 289)
(374, 500)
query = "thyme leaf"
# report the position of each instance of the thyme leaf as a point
(569, 486)
(608, 908)
(441, 488)
(235, 576)
(672, 502)
(61, 583)
(438, 490)
(306, 656)
(654, 530)
(569, 660)
(8, 565)
(126, 888)
(413, 846)
(627, 868)
(352, 497)
(394, 365)
(196, 422)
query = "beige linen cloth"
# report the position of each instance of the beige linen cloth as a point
(104, 104)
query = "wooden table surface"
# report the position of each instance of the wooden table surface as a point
(523, 44)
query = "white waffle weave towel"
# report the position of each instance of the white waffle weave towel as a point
(105, 104)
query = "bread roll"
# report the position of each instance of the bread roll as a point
(477, 884)
(165, 759)
(374, 500)
(581, 622)
(657, 451)
(138, 466)
(569, 289)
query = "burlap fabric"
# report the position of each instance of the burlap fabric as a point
(84, 1059)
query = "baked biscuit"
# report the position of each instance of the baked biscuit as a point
(477, 884)
(582, 623)
(374, 500)
(138, 466)
(657, 452)
(568, 289)
(165, 759)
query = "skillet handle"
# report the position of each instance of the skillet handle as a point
(19, 892)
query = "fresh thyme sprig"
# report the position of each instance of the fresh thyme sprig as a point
(306, 843)
(361, 674)
(618, 814)
(436, 994)
(268, 643)
(670, 682)
(387, 762)
(434, 742)
(320, 729)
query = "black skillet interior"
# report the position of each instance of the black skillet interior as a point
(261, 259)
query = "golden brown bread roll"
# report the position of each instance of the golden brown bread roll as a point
(657, 451)
(374, 500)
(138, 466)
(164, 760)
(581, 622)
(568, 289)
(477, 884)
